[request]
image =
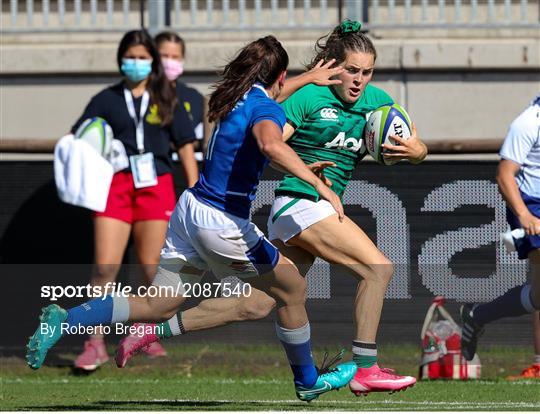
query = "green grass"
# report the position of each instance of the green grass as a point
(224, 377)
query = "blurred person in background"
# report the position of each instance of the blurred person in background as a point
(172, 50)
(144, 115)
(518, 177)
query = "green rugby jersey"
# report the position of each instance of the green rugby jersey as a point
(327, 129)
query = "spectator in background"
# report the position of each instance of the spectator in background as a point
(172, 50)
(518, 177)
(144, 115)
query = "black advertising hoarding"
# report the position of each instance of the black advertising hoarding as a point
(439, 222)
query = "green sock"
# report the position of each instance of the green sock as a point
(172, 327)
(364, 354)
(164, 330)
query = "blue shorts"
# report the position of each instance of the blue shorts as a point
(526, 244)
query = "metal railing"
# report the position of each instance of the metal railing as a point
(221, 15)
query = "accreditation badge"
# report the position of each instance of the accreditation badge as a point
(143, 169)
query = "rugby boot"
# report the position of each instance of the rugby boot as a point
(470, 332)
(131, 345)
(155, 350)
(46, 335)
(376, 379)
(328, 379)
(532, 372)
(93, 356)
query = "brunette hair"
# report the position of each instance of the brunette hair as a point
(260, 61)
(161, 92)
(345, 38)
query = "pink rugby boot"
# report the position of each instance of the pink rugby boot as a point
(375, 379)
(93, 355)
(133, 344)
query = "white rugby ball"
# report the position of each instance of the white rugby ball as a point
(382, 123)
(97, 133)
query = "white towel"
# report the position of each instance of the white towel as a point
(118, 156)
(83, 177)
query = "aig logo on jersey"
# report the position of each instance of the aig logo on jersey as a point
(349, 144)
(329, 114)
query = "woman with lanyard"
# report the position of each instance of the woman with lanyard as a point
(141, 110)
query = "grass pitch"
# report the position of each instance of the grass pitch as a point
(225, 377)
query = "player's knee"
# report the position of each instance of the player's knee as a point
(386, 272)
(103, 273)
(297, 295)
(381, 273)
(257, 306)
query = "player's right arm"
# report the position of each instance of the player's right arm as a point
(506, 179)
(269, 139)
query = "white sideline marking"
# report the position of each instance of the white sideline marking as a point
(454, 404)
(255, 381)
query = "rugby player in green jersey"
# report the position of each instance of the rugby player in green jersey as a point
(325, 127)
(327, 124)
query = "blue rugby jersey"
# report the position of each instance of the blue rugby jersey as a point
(233, 163)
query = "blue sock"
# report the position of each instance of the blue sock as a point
(100, 311)
(516, 302)
(297, 346)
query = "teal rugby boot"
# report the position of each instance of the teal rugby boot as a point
(329, 378)
(47, 334)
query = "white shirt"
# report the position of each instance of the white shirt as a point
(522, 145)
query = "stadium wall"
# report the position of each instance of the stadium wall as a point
(454, 88)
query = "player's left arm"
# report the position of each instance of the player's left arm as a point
(412, 149)
(321, 74)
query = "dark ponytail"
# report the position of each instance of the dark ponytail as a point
(345, 38)
(261, 61)
(161, 91)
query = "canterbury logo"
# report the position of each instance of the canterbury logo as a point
(329, 113)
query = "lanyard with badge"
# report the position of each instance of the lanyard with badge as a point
(143, 166)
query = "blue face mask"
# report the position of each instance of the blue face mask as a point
(136, 70)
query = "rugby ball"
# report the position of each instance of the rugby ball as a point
(382, 123)
(97, 133)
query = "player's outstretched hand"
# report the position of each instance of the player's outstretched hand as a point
(530, 224)
(318, 167)
(332, 198)
(321, 74)
(412, 149)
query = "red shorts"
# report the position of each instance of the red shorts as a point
(130, 204)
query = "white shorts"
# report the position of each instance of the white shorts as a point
(209, 239)
(289, 216)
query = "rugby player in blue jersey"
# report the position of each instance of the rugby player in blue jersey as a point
(210, 228)
(518, 177)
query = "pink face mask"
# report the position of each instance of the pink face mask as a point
(173, 68)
